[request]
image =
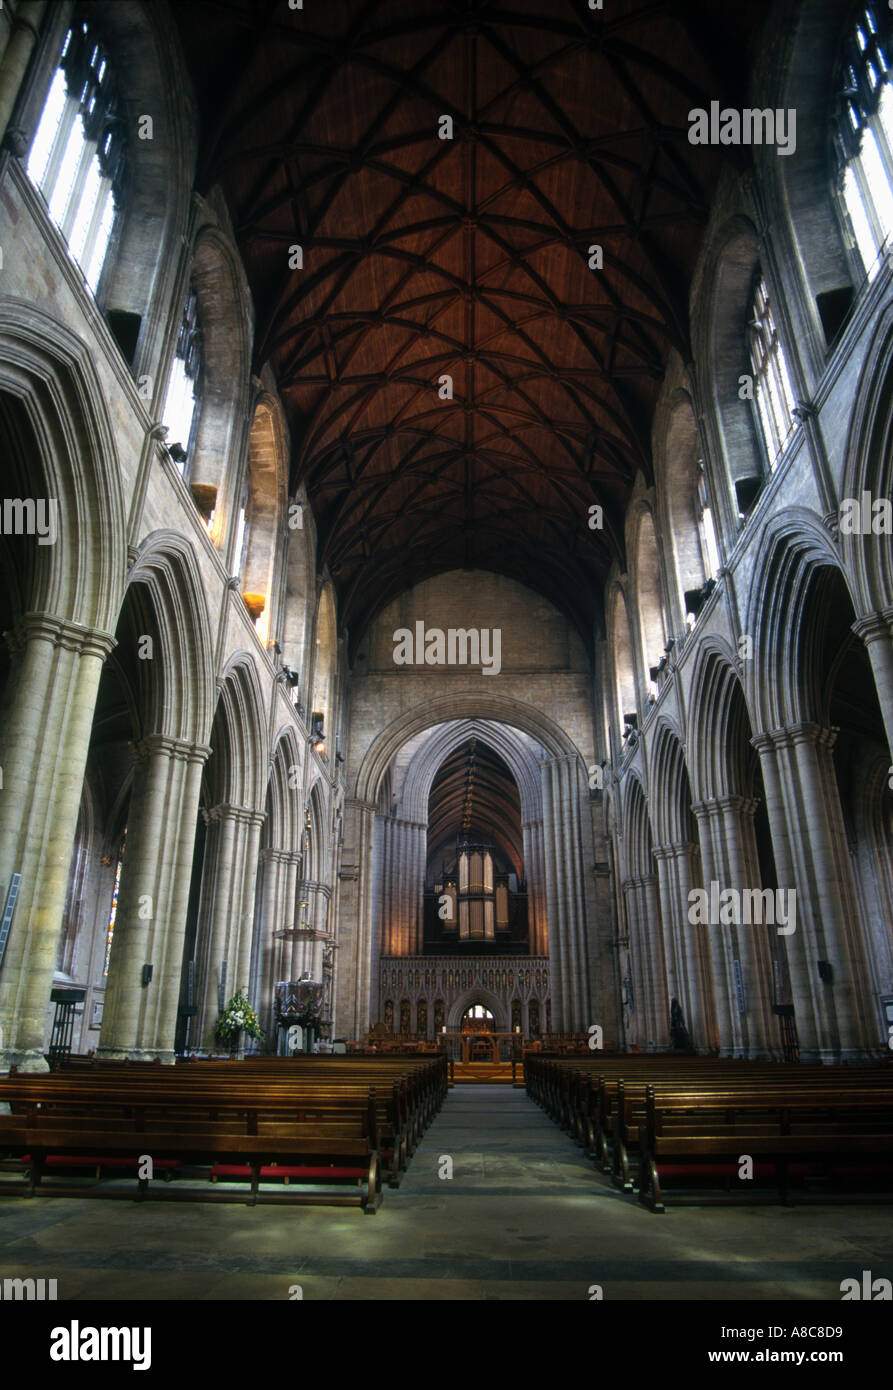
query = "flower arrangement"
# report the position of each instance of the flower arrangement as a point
(238, 1018)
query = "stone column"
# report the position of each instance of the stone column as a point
(694, 978)
(719, 946)
(534, 871)
(654, 967)
(139, 1019)
(638, 1010)
(735, 865)
(564, 888)
(224, 928)
(876, 631)
(355, 927)
(834, 1021)
(688, 967)
(47, 720)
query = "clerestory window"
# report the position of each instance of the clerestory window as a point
(864, 137)
(78, 156)
(772, 390)
(180, 413)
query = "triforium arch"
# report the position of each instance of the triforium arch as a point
(563, 790)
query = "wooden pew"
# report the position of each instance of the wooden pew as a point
(690, 1129)
(259, 1137)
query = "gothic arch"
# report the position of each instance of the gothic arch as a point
(637, 832)
(720, 312)
(225, 314)
(263, 558)
(796, 545)
(677, 454)
(283, 828)
(236, 771)
(670, 788)
(717, 707)
(646, 576)
(622, 664)
(868, 560)
(182, 701)
(428, 757)
(502, 709)
(51, 376)
(325, 662)
(802, 50)
(467, 1000)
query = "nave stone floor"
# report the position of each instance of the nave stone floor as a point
(524, 1216)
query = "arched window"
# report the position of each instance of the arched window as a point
(772, 389)
(864, 136)
(180, 413)
(78, 154)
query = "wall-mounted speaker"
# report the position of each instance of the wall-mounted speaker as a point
(826, 972)
(147, 974)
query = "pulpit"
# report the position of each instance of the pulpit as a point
(298, 1007)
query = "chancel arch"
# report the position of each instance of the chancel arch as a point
(562, 786)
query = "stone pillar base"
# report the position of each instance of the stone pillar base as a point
(137, 1054)
(30, 1060)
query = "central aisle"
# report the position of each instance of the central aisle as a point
(524, 1216)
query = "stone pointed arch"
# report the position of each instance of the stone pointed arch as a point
(476, 994)
(520, 758)
(670, 794)
(868, 559)
(50, 374)
(717, 708)
(780, 691)
(284, 828)
(638, 834)
(499, 708)
(182, 700)
(236, 773)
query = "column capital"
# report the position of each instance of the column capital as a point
(180, 748)
(247, 815)
(676, 850)
(875, 627)
(793, 734)
(74, 637)
(281, 856)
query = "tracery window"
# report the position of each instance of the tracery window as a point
(772, 391)
(181, 402)
(78, 156)
(864, 136)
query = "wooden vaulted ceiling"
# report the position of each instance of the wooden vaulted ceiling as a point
(475, 796)
(467, 257)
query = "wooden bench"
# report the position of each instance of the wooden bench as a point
(148, 1102)
(704, 1136)
(95, 1129)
